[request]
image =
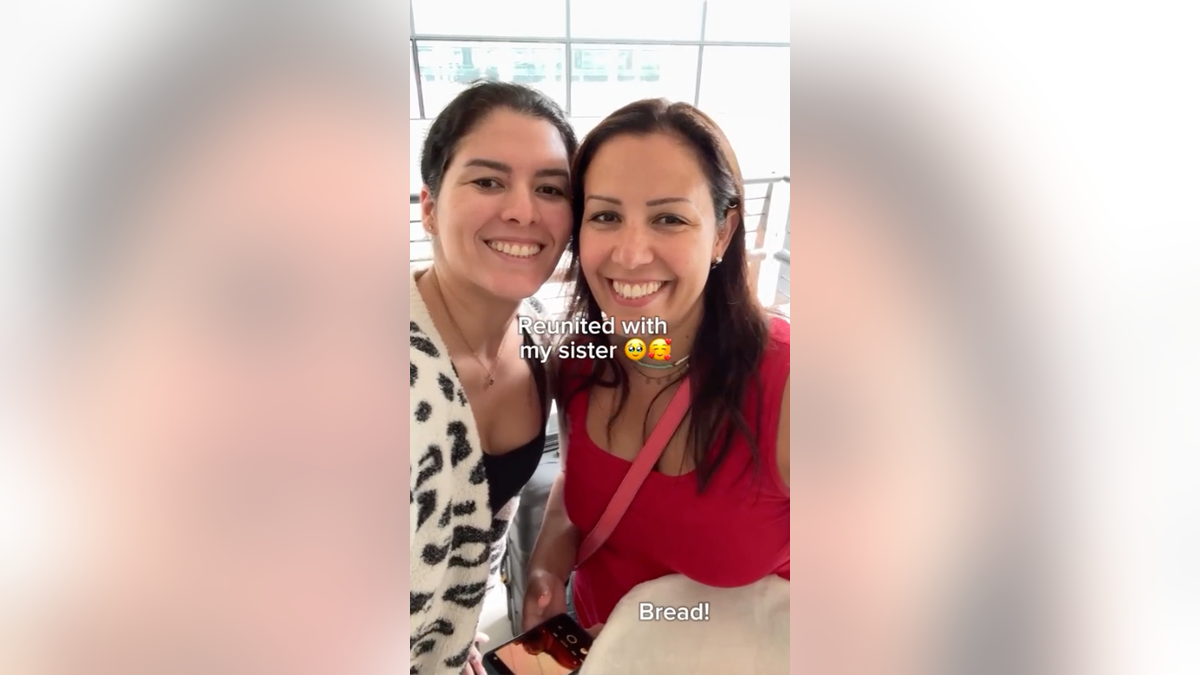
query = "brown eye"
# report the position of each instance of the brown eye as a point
(606, 217)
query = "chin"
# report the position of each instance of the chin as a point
(514, 290)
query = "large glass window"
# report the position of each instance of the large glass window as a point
(749, 80)
(729, 57)
(613, 51)
(420, 247)
(675, 20)
(417, 130)
(414, 101)
(448, 67)
(748, 21)
(761, 141)
(604, 77)
(490, 18)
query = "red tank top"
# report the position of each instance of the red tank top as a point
(733, 534)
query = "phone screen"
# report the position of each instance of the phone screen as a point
(556, 647)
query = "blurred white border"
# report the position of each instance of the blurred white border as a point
(1098, 106)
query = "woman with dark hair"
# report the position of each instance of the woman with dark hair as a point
(496, 201)
(915, 506)
(659, 233)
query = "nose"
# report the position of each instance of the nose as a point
(633, 247)
(519, 207)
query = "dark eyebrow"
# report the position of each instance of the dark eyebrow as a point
(504, 168)
(490, 164)
(611, 200)
(665, 200)
(652, 202)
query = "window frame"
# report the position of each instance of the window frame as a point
(568, 42)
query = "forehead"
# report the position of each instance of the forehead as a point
(516, 139)
(644, 164)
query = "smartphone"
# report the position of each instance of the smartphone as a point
(556, 647)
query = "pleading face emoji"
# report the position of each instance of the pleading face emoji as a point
(635, 349)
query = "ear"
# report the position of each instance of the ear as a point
(428, 222)
(725, 234)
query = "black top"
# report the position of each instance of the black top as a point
(508, 473)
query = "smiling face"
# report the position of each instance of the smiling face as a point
(660, 349)
(502, 217)
(649, 233)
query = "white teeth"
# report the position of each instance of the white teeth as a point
(516, 250)
(635, 291)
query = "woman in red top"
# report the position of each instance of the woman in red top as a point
(659, 232)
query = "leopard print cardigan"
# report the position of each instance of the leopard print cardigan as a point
(456, 545)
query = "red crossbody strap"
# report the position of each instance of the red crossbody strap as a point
(643, 464)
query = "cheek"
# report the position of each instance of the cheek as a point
(688, 262)
(462, 217)
(595, 249)
(557, 218)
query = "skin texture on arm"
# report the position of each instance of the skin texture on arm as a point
(553, 555)
(558, 539)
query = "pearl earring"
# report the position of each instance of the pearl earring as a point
(715, 263)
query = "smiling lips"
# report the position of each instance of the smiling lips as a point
(634, 291)
(515, 249)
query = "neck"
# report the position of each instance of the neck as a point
(683, 337)
(481, 318)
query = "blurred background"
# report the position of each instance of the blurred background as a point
(728, 57)
(1093, 104)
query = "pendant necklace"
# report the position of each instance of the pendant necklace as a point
(487, 384)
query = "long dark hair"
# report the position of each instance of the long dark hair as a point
(732, 336)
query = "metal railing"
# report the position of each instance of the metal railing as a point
(766, 231)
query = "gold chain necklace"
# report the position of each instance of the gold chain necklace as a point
(490, 379)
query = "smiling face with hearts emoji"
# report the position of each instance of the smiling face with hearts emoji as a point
(660, 349)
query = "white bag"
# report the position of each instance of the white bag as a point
(717, 631)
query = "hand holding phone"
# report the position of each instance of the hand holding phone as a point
(545, 597)
(556, 647)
